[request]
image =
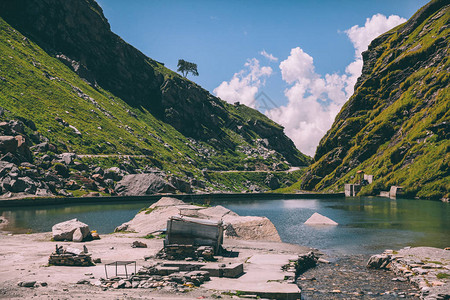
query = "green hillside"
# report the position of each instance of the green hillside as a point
(180, 129)
(396, 124)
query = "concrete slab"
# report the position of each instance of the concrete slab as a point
(263, 277)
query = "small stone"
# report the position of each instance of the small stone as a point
(324, 261)
(27, 283)
(138, 244)
(83, 281)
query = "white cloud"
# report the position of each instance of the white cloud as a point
(315, 100)
(269, 56)
(245, 84)
(374, 26)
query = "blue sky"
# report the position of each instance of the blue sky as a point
(222, 36)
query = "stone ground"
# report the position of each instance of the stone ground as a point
(24, 257)
(347, 277)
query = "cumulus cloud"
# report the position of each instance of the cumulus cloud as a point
(374, 26)
(245, 84)
(269, 56)
(315, 100)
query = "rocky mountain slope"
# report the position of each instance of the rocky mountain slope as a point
(76, 87)
(396, 124)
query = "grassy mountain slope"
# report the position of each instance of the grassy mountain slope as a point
(396, 124)
(78, 34)
(69, 106)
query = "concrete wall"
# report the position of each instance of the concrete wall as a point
(352, 189)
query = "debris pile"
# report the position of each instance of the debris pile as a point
(187, 252)
(148, 278)
(302, 263)
(70, 257)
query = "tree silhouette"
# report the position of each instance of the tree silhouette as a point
(186, 67)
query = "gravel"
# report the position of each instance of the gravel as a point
(347, 277)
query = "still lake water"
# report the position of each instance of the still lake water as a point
(366, 224)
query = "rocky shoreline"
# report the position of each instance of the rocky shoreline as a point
(427, 268)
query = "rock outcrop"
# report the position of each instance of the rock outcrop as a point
(425, 267)
(395, 126)
(155, 218)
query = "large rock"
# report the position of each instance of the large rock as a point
(8, 144)
(65, 230)
(143, 184)
(23, 184)
(318, 219)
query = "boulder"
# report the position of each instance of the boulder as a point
(68, 158)
(113, 173)
(379, 262)
(8, 144)
(143, 184)
(65, 230)
(99, 171)
(23, 184)
(16, 127)
(42, 147)
(272, 182)
(62, 170)
(318, 219)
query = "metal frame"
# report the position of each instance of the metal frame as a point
(121, 263)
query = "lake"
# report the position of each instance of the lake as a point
(366, 224)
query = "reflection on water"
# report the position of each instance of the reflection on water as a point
(366, 225)
(103, 218)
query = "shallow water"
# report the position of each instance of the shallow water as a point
(366, 224)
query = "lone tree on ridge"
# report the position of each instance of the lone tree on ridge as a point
(186, 67)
